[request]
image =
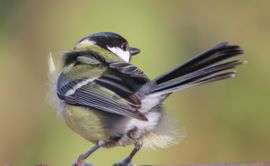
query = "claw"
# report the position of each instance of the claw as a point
(127, 161)
(82, 157)
(124, 163)
(80, 162)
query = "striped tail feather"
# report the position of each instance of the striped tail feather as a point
(209, 66)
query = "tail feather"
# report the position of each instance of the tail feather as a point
(217, 77)
(196, 76)
(208, 66)
(214, 55)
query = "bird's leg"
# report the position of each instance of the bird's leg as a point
(127, 160)
(82, 157)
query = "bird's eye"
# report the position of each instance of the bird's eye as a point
(124, 46)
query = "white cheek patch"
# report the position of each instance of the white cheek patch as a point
(125, 55)
(85, 43)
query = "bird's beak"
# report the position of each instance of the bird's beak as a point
(134, 51)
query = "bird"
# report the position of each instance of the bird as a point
(110, 102)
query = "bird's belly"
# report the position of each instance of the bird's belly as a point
(94, 125)
(85, 122)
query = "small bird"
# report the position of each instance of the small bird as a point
(110, 102)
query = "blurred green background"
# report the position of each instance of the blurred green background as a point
(227, 121)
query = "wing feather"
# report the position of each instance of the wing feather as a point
(95, 96)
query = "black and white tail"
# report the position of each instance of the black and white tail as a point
(209, 66)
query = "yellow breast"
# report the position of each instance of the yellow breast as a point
(85, 122)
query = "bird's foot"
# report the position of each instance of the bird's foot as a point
(80, 162)
(124, 163)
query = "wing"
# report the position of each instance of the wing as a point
(129, 70)
(124, 79)
(89, 93)
(114, 91)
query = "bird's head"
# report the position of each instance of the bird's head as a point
(111, 42)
